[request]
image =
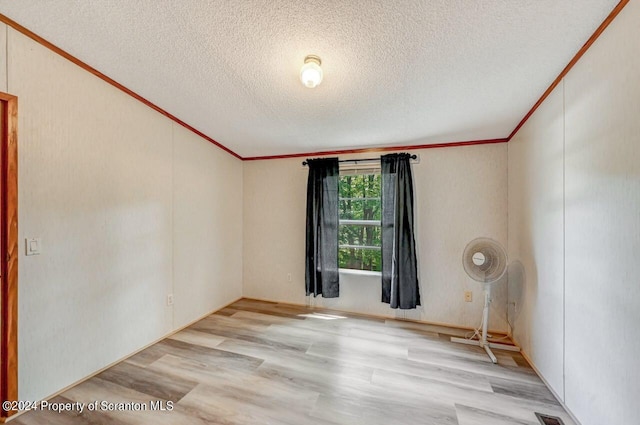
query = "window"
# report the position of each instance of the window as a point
(359, 236)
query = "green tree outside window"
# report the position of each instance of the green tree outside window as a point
(359, 236)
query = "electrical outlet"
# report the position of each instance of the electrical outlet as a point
(289, 277)
(468, 296)
(170, 299)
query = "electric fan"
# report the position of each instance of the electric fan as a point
(485, 261)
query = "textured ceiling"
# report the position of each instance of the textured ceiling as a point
(395, 72)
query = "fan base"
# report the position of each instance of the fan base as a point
(487, 346)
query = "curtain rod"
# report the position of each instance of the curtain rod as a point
(362, 160)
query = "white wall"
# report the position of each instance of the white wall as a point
(595, 275)
(105, 182)
(461, 194)
(536, 238)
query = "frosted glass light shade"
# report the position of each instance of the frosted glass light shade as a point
(311, 73)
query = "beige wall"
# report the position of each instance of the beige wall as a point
(207, 227)
(104, 181)
(461, 194)
(3, 57)
(131, 207)
(574, 176)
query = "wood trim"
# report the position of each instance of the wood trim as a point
(16, 26)
(380, 149)
(614, 13)
(9, 251)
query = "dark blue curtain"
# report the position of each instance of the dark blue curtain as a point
(400, 287)
(321, 273)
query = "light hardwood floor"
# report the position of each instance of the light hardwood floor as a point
(264, 363)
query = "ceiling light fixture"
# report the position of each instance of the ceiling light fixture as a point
(311, 73)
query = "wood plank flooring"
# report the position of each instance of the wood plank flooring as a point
(265, 363)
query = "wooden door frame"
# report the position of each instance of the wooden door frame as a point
(9, 251)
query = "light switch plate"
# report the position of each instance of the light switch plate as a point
(33, 246)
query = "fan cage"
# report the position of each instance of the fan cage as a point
(495, 264)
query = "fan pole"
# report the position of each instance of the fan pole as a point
(485, 324)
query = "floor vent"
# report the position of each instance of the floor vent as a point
(549, 420)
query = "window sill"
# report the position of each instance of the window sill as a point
(360, 272)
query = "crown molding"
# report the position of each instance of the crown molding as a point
(614, 13)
